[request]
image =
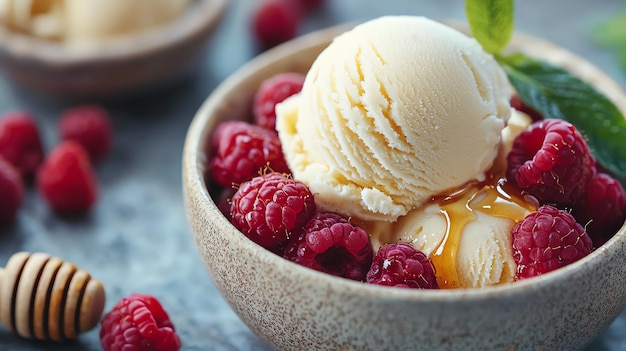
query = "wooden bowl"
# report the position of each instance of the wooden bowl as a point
(112, 67)
(295, 308)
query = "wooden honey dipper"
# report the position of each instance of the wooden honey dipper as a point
(44, 298)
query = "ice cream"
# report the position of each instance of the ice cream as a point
(87, 20)
(97, 19)
(392, 113)
(403, 124)
(518, 122)
(467, 234)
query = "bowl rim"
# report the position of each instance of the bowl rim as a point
(194, 186)
(199, 17)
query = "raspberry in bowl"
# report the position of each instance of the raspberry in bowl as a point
(290, 304)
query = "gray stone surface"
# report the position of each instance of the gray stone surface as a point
(137, 239)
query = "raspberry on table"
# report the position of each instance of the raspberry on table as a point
(276, 21)
(548, 239)
(401, 265)
(269, 207)
(11, 190)
(90, 126)
(242, 150)
(552, 162)
(20, 142)
(138, 323)
(603, 209)
(329, 243)
(67, 180)
(272, 91)
(309, 5)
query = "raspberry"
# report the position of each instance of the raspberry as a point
(20, 143)
(66, 179)
(330, 244)
(12, 190)
(90, 126)
(272, 91)
(242, 150)
(275, 21)
(403, 266)
(138, 323)
(548, 239)
(552, 162)
(269, 207)
(519, 105)
(603, 208)
(310, 5)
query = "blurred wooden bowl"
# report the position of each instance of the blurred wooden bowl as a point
(114, 67)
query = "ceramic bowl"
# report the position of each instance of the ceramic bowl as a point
(294, 308)
(113, 67)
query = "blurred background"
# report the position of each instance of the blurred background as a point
(136, 237)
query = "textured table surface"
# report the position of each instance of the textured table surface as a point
(137, 240)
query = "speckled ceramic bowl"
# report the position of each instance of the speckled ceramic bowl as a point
(130, 64)
(295, 308)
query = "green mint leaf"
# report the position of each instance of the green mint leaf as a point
(491, 23)
(558, 94)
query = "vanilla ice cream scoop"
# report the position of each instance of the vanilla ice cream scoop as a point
(391, 113)
(467, 235)
(88, 20)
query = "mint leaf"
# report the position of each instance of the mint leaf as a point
(558, 94)
(491, 22)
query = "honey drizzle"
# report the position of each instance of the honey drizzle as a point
(495, 198)
(457, 214)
